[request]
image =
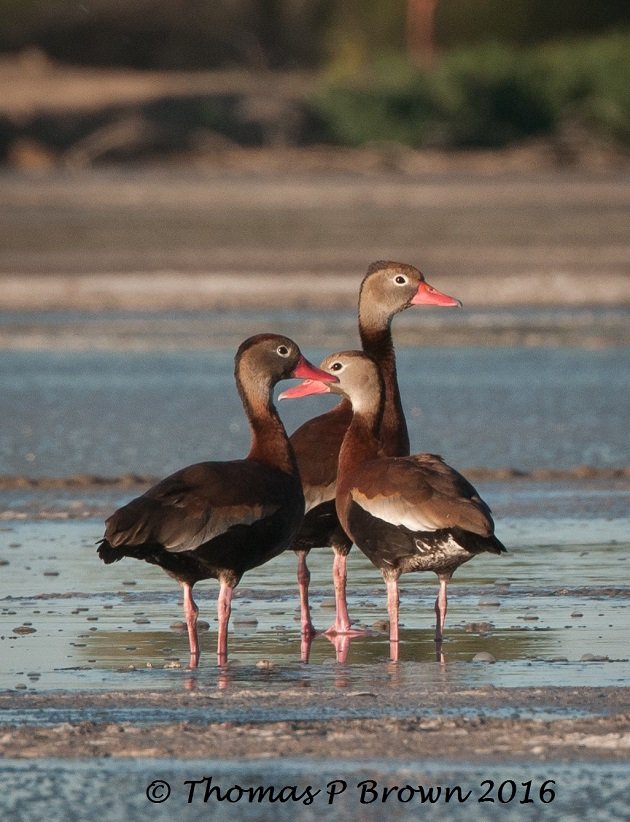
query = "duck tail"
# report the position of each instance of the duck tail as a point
(107, 552)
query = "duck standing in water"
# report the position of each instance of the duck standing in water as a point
(411, 513)
(387, 289)
(221, 519)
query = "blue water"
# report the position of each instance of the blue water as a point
(560, 595)
(110, 412)
(108, 395)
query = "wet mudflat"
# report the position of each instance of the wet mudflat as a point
(561, 593)
(550, 613)
(95, 665)
(95, 658)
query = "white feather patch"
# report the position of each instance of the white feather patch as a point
(314, 495)
(396, 511)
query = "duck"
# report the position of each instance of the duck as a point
(387, 288)
(405, 513)
(221, 519)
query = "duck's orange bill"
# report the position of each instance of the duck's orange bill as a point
(310, 386)
(427, 295)
(305, 370)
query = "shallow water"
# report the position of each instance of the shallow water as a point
(560, 594)
(563, 590)
(111, 412)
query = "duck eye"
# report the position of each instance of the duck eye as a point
(282, 350)
(336, 366)
(400, 279)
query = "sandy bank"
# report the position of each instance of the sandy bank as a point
(177, 290)
(573, 724)
(95, 481)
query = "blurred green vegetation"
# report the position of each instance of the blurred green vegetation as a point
(487, 95)
(525, 22)
(494, 71)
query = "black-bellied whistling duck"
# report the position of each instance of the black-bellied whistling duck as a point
(387, 289)
(412, 513)
(220, 519)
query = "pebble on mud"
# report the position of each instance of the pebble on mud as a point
(245, 620)
(381, 625)
(179, 626)
(484, 656)
(202, 625)
(478, 627)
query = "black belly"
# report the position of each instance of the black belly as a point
(321, 528)
(396, 549)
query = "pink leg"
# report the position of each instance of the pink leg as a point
(441, 606)
(342, 623)
(304, 579)
(392, 610)
(224, 609)
(191, 613)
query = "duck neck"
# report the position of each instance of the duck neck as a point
(270, 443)
(377, 341)
(361, 442)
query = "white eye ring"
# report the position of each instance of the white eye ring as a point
(282, 351)
(400, 279)
(336, 366)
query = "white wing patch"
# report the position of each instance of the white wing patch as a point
(314, 495)
(396, 511)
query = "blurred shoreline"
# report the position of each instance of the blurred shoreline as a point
(580, 472)
(151, 291)
(159, 239)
